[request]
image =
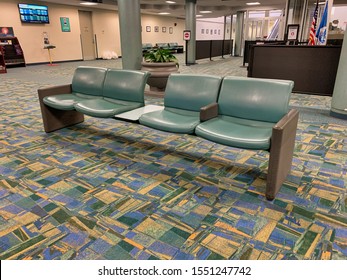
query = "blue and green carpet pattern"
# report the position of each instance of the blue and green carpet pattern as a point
(109, 189)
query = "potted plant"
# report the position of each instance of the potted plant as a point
(160, 63)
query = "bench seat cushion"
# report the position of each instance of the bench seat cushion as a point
(105, 108)
(66, 101)
(236, 132)
(172, 120)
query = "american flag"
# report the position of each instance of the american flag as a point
(311, 40)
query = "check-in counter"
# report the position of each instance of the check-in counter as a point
(312, 68)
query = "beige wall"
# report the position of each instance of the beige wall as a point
(162, 37)
(106, 29)
(210, 29)
(68, 44)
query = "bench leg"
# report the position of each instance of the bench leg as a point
(281, 152)
(54, 119)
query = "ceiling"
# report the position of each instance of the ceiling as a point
(217, 7)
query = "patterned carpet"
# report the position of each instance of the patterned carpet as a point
(108, 189)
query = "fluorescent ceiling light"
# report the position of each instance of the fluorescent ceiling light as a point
(205, 12)
(199, 15)
(170, 2)
(252, 3)
(89, 3)
(163, 13)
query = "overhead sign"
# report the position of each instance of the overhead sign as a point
(186, 35)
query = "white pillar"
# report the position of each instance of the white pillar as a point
(339, 100)
(191, 25)
(238, 33)
(130, 33)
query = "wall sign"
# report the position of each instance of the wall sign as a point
(65, 24)
(6, 31)
(292, 32)
(186, 35)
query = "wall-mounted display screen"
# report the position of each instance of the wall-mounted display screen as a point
(31, 13)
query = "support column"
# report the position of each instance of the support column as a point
(238, 33)
(339, 99)
(130, 33)
(265, 26)
(191, 25)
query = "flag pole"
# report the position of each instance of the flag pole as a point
(312, 36)
(322, 31)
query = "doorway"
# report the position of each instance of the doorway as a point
(87, 35)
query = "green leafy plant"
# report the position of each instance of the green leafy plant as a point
(160, 55)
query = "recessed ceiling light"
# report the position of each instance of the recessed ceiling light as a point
(205, 12)
(163, 13)
(89, 3)
(252, 3)
(170, 2)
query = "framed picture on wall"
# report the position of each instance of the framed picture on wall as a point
(170, 30)
(163, 29)
(148, 29)
(202, 31)
(207, 31)
(156, 28)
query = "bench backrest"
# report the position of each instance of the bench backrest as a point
(89, 80)
(255, 98)
(191, 92)
(127, 85)
(147, 46)
(163, 45)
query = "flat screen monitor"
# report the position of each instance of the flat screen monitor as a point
(31, 13)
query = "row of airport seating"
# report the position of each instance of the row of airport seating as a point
(245, 113)
(174, 47)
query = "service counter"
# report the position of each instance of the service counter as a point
(312, 68)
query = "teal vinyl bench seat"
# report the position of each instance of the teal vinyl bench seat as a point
(123, 90)
(94, 91)
(172, 120)
(236, 132)
(248, 109)
(185, 95)
(104, 107)
(67, 101)
(87, 83)
(146, 47)
(253, 113)
(246, 113)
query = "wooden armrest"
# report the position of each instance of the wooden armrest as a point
(281, 152)
(208, 112)
(54, 90)
(287, 124)
(54, 119)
